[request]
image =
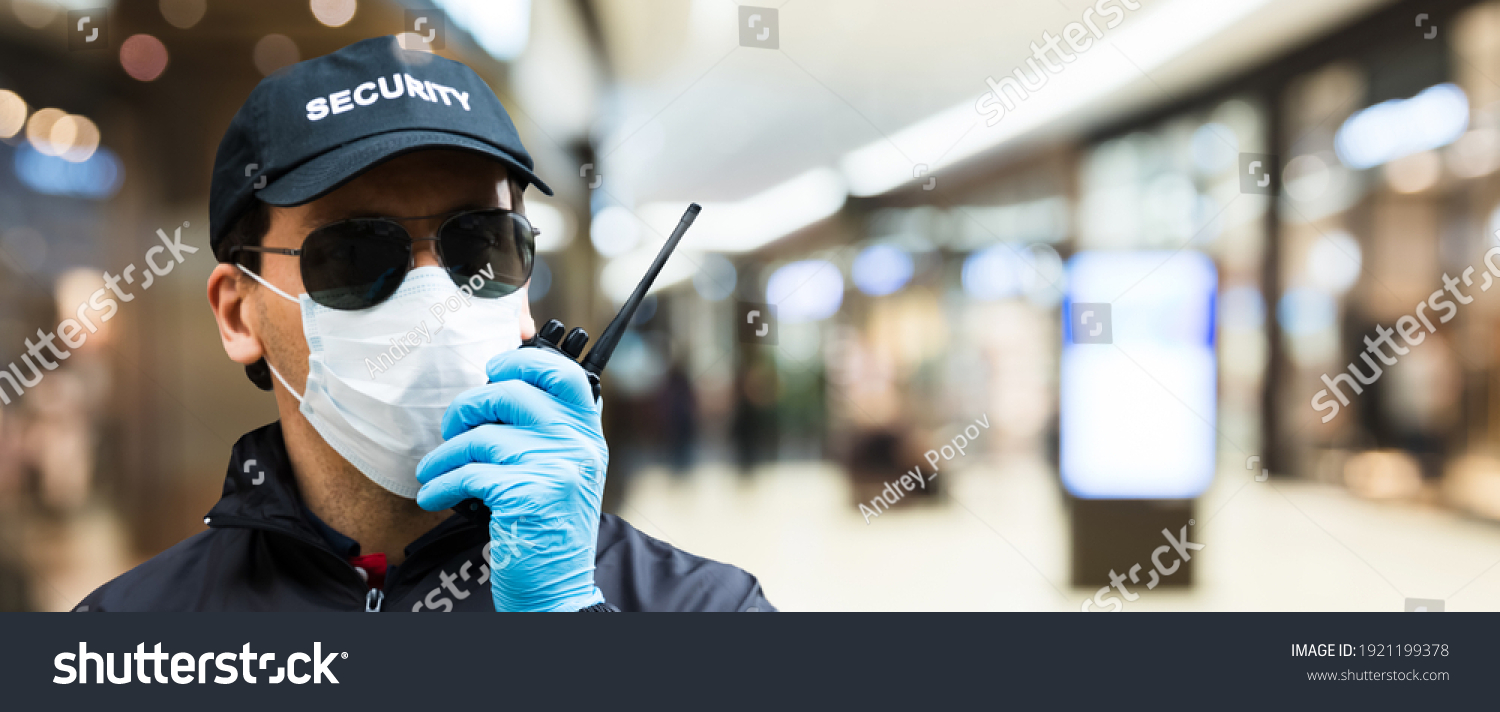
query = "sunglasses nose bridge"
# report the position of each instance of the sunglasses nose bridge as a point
(424, 252)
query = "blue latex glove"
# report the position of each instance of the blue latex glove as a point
(531, 446)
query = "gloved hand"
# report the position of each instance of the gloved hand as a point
(531, 446)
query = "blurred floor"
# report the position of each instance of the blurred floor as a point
(1000, 542)
(997, 540)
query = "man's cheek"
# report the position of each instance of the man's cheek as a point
(281, 339)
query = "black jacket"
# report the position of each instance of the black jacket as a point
(264, 552)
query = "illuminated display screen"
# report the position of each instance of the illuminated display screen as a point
(1138, 378)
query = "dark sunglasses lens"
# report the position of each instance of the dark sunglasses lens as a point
(355, 264)
(491, 251)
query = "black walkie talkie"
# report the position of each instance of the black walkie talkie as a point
(550, 337)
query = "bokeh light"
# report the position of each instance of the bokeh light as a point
(554, 227)
(39, 131)
(1384, 474)
(991, 274)
(639, 363)
(1414, 173)
(1304, 312)
(614, 231)
(716, 277)
(809, 290)
(74, 287)
(1306, 177)
(1215, 148)
(334, 13)
(183, 14)
(273, 52)
(12, 113)
(78, 134)
(1334, 262)
(97, 178)
(64, 132)
(144, 57)
(1042, 275)
(881, 269)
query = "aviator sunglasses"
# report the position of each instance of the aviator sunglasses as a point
(358, 263)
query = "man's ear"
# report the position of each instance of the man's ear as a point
(228, 298)
(528, 324)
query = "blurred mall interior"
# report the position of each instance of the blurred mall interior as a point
(1256, 188)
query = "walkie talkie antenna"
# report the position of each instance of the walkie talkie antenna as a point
(598, 356)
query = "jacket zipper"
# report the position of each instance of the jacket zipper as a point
(374, 600)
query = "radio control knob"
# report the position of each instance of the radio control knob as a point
(552, 332)
(573, 345)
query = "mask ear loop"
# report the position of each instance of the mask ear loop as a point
(284, 384)
(268, 285)
(289, 298)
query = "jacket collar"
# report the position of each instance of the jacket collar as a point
(259, 490)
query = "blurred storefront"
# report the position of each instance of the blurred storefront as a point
(915, 311)
(899, 318)
(1388, 206)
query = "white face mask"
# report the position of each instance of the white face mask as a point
(380, 379)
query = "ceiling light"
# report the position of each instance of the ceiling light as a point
(1152, 40)
(758, 220)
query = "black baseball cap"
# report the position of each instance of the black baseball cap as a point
(314, 126)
